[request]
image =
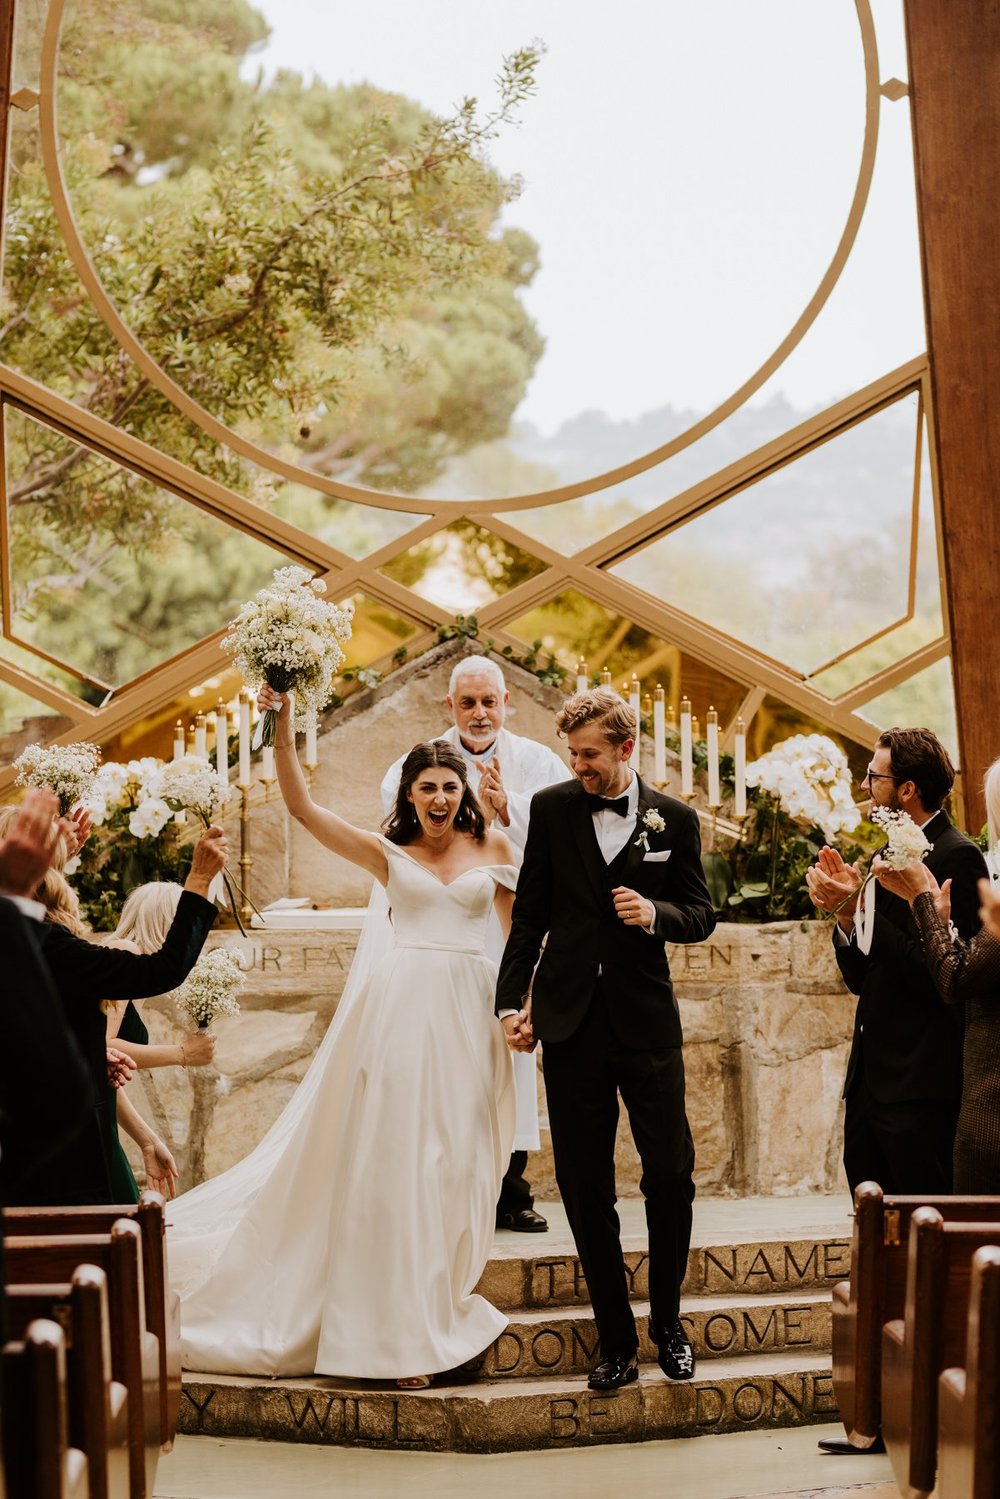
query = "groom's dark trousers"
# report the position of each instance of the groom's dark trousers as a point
(604, 1009)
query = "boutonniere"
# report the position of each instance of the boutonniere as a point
(651, 823)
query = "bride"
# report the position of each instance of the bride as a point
(351, 1240)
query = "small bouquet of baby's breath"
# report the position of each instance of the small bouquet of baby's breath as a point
(211, 987)
(290, 638)
(905, 844)
(190, 784)
(67, 769)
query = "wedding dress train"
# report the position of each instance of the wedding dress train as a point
(350, 1241)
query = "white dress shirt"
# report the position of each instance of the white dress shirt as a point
(27, 907)
(614, 831)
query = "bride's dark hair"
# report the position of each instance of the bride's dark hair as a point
(402, 825)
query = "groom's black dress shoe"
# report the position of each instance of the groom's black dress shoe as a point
(674, 1352)
(612, 1373)
(843, 1448)
(523, 1221)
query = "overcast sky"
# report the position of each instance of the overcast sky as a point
(688, 170)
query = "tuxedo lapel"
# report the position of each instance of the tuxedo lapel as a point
(582, 818)
(636, 852)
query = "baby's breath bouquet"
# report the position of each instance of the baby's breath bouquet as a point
(211, 987)
(191, 784)
(67, 769)
(291, 639)
(906, 844)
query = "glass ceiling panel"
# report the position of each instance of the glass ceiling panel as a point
(807, 561)
(110, 574)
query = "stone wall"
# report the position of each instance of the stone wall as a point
(767, 1024)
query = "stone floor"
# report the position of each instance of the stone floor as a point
(755, 1463)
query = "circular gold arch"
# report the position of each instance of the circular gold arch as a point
(297, 473)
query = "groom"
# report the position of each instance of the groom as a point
(611, 871)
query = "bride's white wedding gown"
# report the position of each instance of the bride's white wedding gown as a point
(350, 1241)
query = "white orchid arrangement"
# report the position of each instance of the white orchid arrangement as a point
(68, 770)
(811, 778)
(211, 987)
(133, 787)
(292, 639)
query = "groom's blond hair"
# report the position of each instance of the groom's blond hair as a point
(599, 705)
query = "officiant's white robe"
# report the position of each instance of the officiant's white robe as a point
(525, 767)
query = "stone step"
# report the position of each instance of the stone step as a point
(508, 1415)
(563, 1340)
(769, 1266)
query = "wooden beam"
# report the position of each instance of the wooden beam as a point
(6, 67)
(954, 63)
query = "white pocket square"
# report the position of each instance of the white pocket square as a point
(657, 856)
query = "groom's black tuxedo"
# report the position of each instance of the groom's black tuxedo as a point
(604, 1008)
(563, 890)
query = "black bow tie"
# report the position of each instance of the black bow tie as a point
(619, 804)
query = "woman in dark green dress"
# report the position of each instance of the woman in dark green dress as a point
(142, 928)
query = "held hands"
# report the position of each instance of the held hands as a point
(632, 908)
(209, 859)
(492, 795)
(832, 883)
(197, 1049)
(518, 1030)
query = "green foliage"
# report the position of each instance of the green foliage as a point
(113, 862)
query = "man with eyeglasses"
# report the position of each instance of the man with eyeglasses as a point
(904, 1073)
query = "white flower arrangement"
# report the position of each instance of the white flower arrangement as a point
(190, 784)
(652, 822)
(290, 638)
(67, 769)
(211, 987)
(810, 776)
(906, 842)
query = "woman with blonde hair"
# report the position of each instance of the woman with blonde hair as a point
(970, 973)
(142, 927)
(56, 894)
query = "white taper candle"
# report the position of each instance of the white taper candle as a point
(712, 744)
(740, 769)
(635, 703)
(244, 739)
(659, 735)
(687, 749)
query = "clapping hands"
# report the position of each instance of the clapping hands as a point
(492, 795)
(831, 883)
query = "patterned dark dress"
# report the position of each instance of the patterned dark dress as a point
(970, 973)
(123, 1184)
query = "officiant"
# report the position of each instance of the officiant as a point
(505, 770)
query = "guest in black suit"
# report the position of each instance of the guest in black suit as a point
(84, 974)
(611, 871)
(904, 1074)
(39, 1059)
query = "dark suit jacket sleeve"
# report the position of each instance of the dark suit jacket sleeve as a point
(532, 911)
(853, 963)
(45, 1087)
(84, 971)
(689, 915)
(965, 867)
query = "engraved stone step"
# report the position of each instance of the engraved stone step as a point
(563, 1340)
(764, 1267)
(739, 1394)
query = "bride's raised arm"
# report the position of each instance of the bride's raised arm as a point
(355, 844)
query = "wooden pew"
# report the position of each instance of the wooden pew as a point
(163, 1306)
(97, 1405)
(135, 1354)
(875, 1294)
(929, 1338)
(969, 1398)
(38, 1461)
